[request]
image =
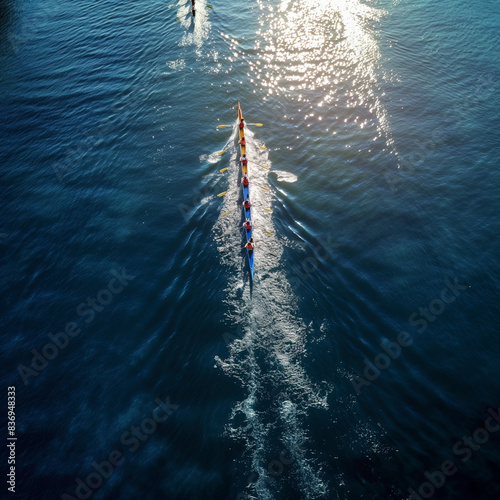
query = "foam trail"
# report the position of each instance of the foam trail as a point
(267, 354)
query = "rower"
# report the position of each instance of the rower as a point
(247, 224)
(242, 142)
(245, 181)
(247, 204)
(250, 245)
(244, 160)
(242, 123)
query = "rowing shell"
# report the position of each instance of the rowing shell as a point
(246, 192)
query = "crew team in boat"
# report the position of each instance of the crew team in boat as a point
(245, 184)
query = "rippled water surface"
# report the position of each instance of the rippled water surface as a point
(362, 362)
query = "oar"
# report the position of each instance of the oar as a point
(267, 168)
(223, 169)
(269, 232)
(209, 6)
(221, 152)
(178, 18)
(268, 209)
(256, 124)
(226, 234)
(222, 126)
(228, 212)
(224, 192)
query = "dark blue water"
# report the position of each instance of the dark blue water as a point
(362, 363)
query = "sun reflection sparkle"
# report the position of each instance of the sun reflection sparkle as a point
(324, 51)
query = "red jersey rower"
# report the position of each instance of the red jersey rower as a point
(244, 160)
(242, 123)
(247, 224)
(242, 141)
(247, 204)
(250, 245)
(245, 181)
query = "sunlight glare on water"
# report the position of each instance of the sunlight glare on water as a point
(324, 53)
